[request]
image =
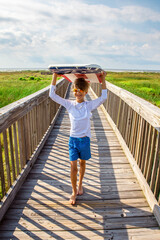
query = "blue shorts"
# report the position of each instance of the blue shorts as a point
(79, 148)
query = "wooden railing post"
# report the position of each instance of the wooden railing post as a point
(3, 191)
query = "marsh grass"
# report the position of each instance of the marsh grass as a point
(145, 85)
(16, 85)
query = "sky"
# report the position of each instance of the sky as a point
(115, 34)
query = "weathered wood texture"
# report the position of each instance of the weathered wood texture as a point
(22, 127)
(138, 122)
(112, 207)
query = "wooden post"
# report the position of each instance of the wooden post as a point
(16, 149)
(2, 170)
(7, 158)
(12, 153)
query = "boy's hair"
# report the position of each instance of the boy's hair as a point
(81, 83)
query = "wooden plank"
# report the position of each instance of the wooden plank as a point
(118, 234)
(132, 131)
(2, 170)
(63, 213)
(81, 224)
(101, 187)
(95, 204)
(151, 158)
(155, 163)
(57, 235)
(144, 147)
(28, 134)
(21, 143)
(32, 130)
(26, 138)
(147, 154)
(96, 161)
(12, 153)
(88, 186)
(157, 184)
(16, 149)
(134, 144)
(7, 165)
(141, 143)
(128, 126)
(87, 196)
(103, 165)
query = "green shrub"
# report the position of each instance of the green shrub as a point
(22, 79)
(31, 78)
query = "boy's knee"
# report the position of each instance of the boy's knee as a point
(82, 163)
(74, 168)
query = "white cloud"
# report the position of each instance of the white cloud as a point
(39, 33)
(139, 14)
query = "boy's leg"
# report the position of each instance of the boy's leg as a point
(73, 181)
(82, 164)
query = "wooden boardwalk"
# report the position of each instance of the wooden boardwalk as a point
(112, 207)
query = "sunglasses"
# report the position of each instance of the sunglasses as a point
(77, 90)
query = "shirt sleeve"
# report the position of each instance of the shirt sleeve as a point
(62, 101)
(94, 104)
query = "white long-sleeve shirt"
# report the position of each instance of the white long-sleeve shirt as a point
(79, 113)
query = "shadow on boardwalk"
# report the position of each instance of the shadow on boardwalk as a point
(112, 207)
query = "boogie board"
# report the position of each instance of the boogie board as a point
(90, 72)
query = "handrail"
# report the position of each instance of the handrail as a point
(23, 125)
(139, 105)
(137, 125)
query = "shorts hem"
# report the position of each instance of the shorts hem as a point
(80, 159)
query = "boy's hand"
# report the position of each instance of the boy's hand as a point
(103, 76)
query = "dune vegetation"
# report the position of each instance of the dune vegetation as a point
(19, 84)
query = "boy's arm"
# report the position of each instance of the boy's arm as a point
(54, 96)
(54, 79)
(97, 102)
(103, 76)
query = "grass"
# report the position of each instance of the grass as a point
(16, 85)
(145, 85)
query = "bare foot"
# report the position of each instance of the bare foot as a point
(80, 190)
(73, 199)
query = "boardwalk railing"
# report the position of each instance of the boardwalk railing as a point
(24, 127)
(137, 125)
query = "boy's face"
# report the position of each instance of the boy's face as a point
(79, 95)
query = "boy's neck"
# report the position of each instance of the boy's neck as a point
(80, 101)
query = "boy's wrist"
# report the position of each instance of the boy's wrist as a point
(54, 79)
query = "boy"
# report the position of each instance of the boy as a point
(80, 133)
